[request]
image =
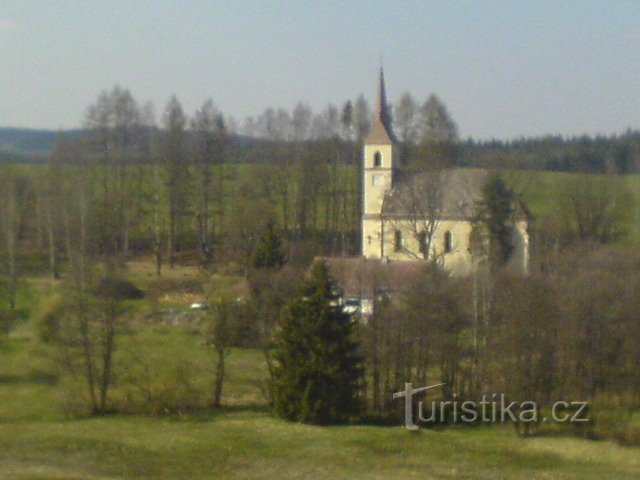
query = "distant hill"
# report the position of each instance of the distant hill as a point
(24, 145)
(26, 140)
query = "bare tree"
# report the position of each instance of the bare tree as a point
(437, 124)
(418, 205)
(114, 123)
(326, 124)
(175, 156)
(10, 222)
(301, 122)
(405, 118)
(210, 132)
(347, 121)
(361, 118)
(219, 331)
(439, 135)
(595, 207)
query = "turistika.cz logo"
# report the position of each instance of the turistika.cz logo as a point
(494, 408)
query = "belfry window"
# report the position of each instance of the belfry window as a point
(448, 242)
(377, 159)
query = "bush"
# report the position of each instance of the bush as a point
(8, 318)
(119, 289)
(46, 319)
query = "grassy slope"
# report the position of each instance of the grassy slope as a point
(542, 192)
(253, 445)
(38, 441)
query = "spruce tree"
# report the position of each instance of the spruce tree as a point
(317, 369)
(497, 213)
(268, 251)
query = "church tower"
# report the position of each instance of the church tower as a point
(379, 161)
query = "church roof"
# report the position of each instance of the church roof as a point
(364, 278)
(454, 193)
(381, 132)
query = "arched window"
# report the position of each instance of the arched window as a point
(422, 242)
(448, 242)
(397, 241)
(377, 159)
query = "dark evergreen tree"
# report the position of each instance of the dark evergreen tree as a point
(317, 371)
(268, 251)
(497, 214)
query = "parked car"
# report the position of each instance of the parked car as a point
(199, 305)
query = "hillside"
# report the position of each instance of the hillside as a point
(25, 145)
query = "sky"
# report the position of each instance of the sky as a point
(505, 69)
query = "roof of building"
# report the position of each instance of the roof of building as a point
(363, 278)
(381, 133)
(448, 193)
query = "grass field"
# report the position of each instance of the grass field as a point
(542, 192)
(251, 445)
(40, 440)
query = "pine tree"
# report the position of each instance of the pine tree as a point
(497, 214)
(317, 371)
(268, 251)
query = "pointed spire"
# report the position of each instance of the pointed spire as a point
(381, 131)
(381, 105)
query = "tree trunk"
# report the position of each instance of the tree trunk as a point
(219, 380)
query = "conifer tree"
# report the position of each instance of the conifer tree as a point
(317, 370)
(268, 251)
(497, 214)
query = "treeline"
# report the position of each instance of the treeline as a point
(134, 185)
(585, 154)
(175, 191)
(568, 332)
(127, 187)
(278, 135)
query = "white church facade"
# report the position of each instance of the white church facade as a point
(426, 214)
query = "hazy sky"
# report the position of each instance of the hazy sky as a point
(504, 68)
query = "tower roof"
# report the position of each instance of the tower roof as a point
(381, 132)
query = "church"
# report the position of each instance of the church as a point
(425, 215)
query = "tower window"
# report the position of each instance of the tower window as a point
(377, 159)
(448, 242)
(397, 241)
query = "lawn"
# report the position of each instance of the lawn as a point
(542, 192)
(40, 440)
(248, 444)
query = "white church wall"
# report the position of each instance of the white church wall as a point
(457, 260)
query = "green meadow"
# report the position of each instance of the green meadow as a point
(45, 435)
(545, 194)
(252, 445)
